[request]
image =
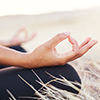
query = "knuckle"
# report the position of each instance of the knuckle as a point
(59, 36)
(48, 47)
(77, 52)
(81, 54)
(89, 46)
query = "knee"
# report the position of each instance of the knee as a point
(73, 76)
(66, 71)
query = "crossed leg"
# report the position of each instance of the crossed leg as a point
(9, 78)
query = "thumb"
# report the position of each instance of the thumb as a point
(58, 38)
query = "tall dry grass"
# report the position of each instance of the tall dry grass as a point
(90, 75)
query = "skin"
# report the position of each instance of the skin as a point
(16, 40)
(46, 54)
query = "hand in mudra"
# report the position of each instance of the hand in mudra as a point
(16, 40)
(47, 55)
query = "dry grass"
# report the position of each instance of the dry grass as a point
(90, 75)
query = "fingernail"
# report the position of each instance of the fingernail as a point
(67, 33)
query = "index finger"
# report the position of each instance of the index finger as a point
(21, 31)
(29, 38)
(74, 51)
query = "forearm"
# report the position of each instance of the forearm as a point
(12, 57)
(46, 54)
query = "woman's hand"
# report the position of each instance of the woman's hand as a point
(16, 40)
(47, 55)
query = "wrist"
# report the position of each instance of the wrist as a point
(26, 63)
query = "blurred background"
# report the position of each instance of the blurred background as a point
(34, 7)
(49, 17)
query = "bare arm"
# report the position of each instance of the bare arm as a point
(46, 54)
(11, 57)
